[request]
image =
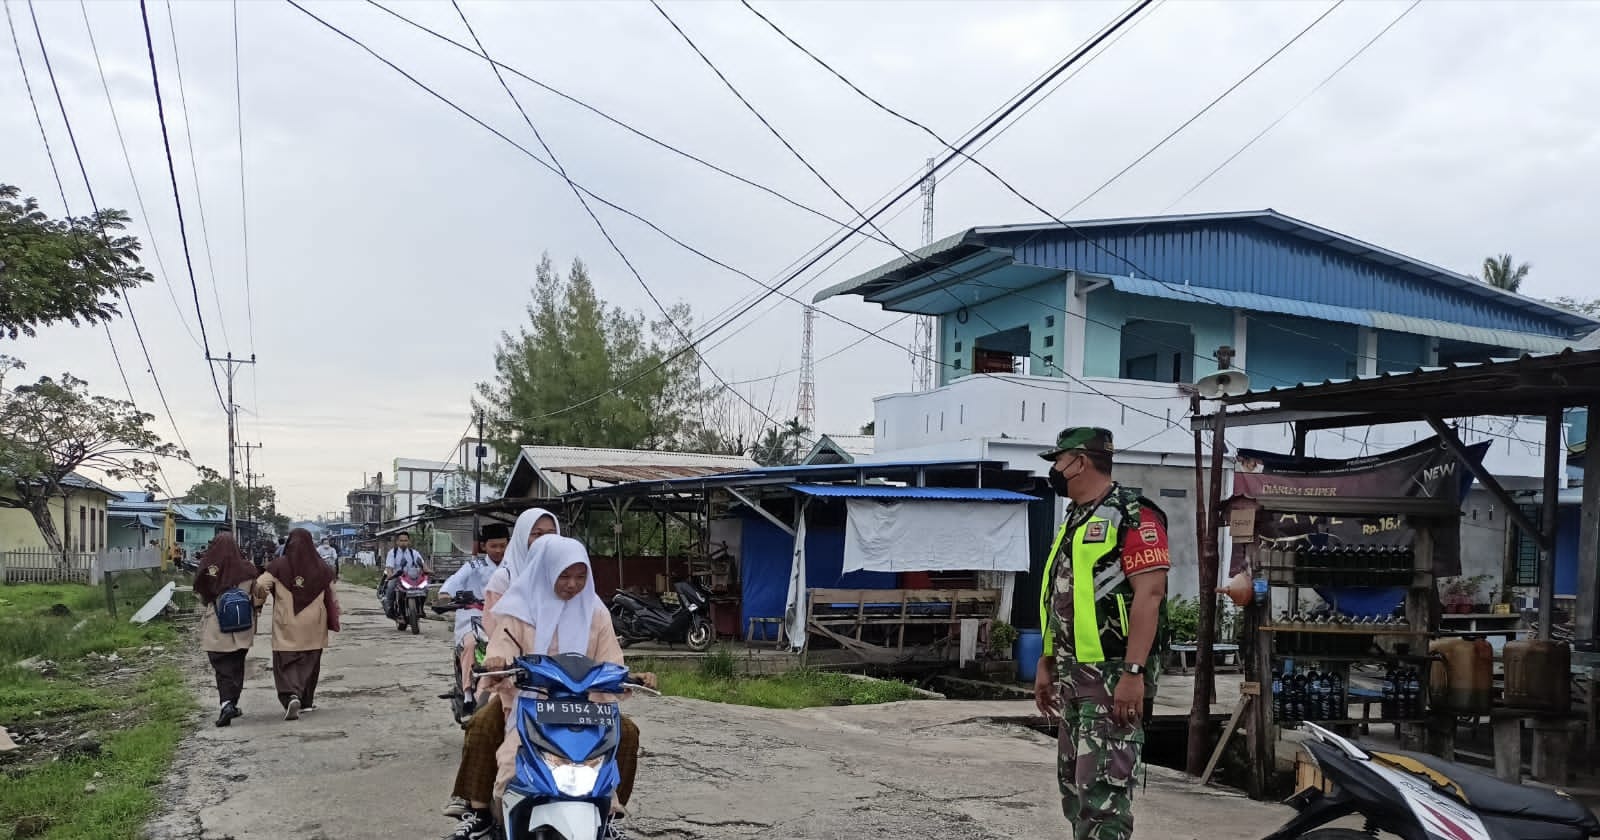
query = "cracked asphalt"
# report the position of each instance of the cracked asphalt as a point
(377, 759)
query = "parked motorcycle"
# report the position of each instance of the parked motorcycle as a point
(642, 618)
(460, 709)
(410, 596)
(1415, 796)
(566, 767)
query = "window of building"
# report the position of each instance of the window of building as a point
(1156, 351)
(1006, 351)
(1174, 493)
(1049, 341)
(178, 535)
(1049, 320)
(83, 527)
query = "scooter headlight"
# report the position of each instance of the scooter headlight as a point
(572, 779)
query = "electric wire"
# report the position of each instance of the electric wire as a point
(138, 194)
(614, 120)
(728, 83)
(244, 219)
(577, 193)
(177, 200)
(27, 84)
(105, 239)
(1296, 106)
(1185, 289)
(194, 169)
(985, 128)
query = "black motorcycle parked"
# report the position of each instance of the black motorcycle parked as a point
(1415, 796)
(643, 618)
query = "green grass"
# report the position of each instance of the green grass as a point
(714, 679)
(66, 621)
(137, 717)
(359, 575)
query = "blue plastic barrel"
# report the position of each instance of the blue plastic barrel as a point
(1030, 646)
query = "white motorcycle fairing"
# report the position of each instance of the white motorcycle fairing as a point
(570, 820)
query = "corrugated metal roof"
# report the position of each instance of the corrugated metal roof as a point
(947, 494)
(1341, 314)
(555, 457)
(936, 251)
(1592, 342)
(1533, 383)
(1261, 252)
(635, 472)
(1240, 300)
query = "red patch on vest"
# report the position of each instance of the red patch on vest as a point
(1094, 532)
(1150, 534)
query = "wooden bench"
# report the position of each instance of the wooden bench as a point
(775, 625)
(1553, 738)
(844, 615)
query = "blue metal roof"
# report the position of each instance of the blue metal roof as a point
(1257, 252)
(1341, 314)
(947, 494)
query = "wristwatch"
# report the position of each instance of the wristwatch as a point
(1132, 668)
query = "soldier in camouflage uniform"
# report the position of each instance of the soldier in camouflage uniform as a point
(1102, 609)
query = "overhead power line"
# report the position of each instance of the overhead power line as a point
(825, 182)
(194, 170)
(982, 130)
(577, 193)
(27, 85)
(105, 239)
(1296, 106)
(500, 65)
(138, 194)
(1058, 218)
(177, 200)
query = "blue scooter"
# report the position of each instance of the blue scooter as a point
(567, 765)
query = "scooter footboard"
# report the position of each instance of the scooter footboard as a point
(570, 820)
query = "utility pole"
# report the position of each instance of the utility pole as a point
(477, 495)
(231, 367)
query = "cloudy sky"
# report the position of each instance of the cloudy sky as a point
(391, 240)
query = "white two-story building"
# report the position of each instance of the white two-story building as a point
(1101, 323)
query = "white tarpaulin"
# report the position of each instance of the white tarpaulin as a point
(935, 536)
(795, 616)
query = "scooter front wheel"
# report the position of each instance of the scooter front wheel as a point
(701, 635)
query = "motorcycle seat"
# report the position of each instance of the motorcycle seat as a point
(1490, 794)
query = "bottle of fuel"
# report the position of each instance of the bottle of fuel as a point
(1336, 691)
(1314, 696)
(1277, 697)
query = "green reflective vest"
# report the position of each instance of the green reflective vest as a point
(1084, 605)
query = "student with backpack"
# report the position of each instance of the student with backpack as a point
(225, 585)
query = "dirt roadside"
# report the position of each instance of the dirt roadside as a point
(376, 761)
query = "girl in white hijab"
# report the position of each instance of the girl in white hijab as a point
(533, 525)
(551, 608)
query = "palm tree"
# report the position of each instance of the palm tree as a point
(1501, 273)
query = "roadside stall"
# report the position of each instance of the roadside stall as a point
(1345, 632)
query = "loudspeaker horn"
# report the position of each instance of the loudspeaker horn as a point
(1240, 589)
(1228, 382)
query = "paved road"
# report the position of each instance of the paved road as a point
(375, 761)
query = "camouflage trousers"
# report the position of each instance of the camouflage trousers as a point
(1098, 760)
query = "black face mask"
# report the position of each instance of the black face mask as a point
(1058, 483)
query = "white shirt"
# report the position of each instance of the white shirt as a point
(404, 559)
(328, 554)
(473, 576)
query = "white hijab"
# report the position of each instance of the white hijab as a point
(519, 555)
(532, 598)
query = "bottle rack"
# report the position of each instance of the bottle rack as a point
(1337, 645)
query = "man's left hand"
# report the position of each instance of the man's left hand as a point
(646, 679)
(1127, 705)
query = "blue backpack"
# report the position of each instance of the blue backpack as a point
(235, 612)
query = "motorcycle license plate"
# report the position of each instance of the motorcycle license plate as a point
(574, 713)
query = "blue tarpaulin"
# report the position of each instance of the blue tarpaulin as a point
(767, 557)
